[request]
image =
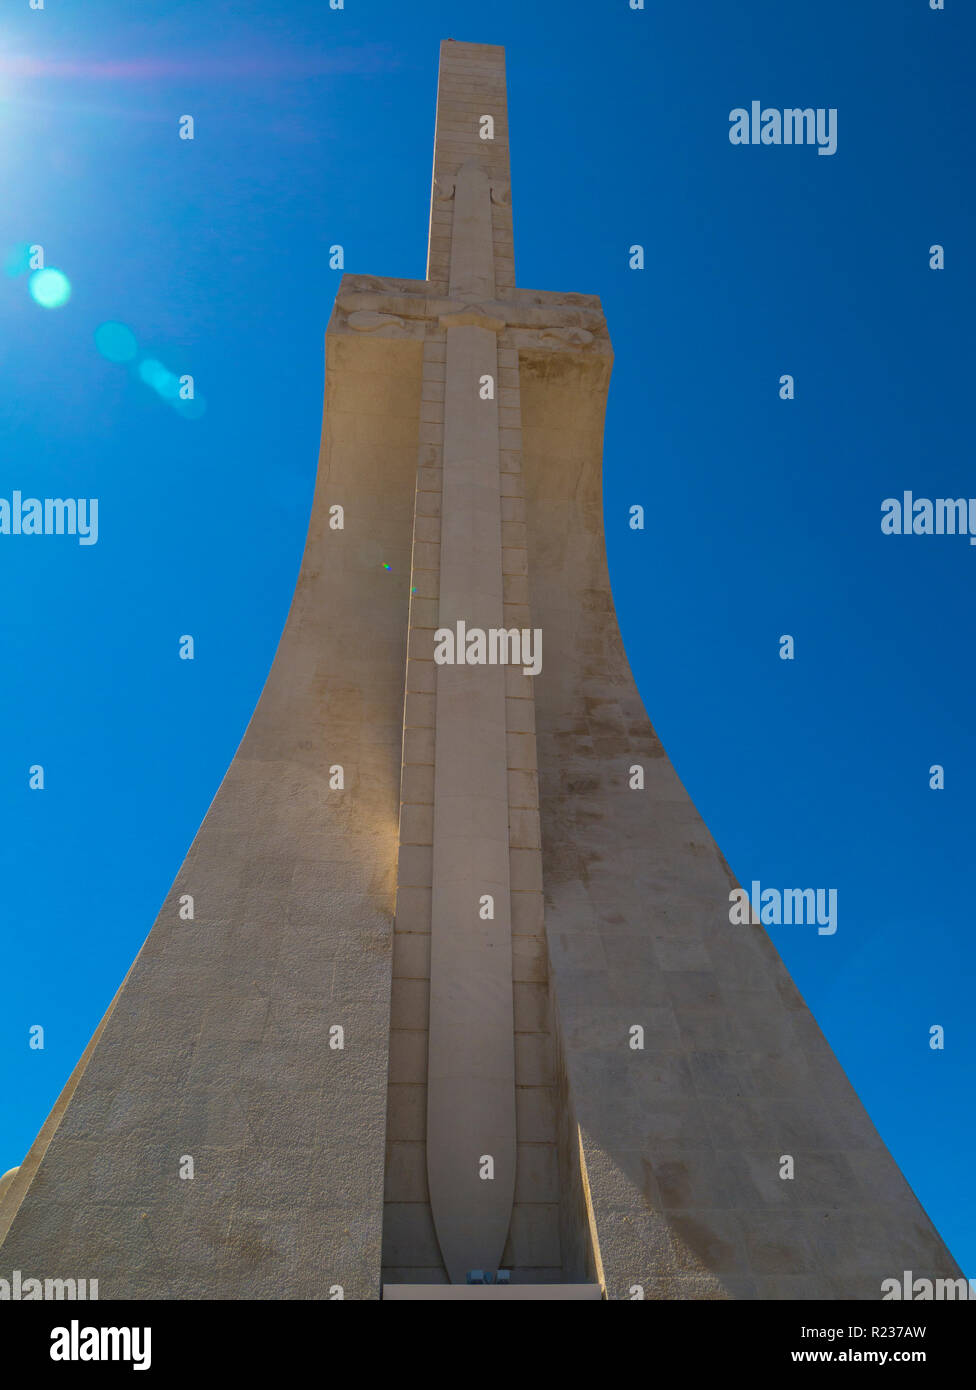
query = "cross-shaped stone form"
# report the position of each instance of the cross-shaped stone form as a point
(470, 832)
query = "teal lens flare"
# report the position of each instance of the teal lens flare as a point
(116, 342)
(49, 288)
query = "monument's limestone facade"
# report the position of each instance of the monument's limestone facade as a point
(428, 906)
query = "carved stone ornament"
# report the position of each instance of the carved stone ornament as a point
(367, 320)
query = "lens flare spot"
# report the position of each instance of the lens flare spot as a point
(116, 342)
(17, 261)
(49, 288)
(160, 378)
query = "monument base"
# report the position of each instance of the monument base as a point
(576, 1293)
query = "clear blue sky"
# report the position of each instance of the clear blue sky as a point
(762, 515)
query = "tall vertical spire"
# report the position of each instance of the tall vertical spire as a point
(470, 246)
